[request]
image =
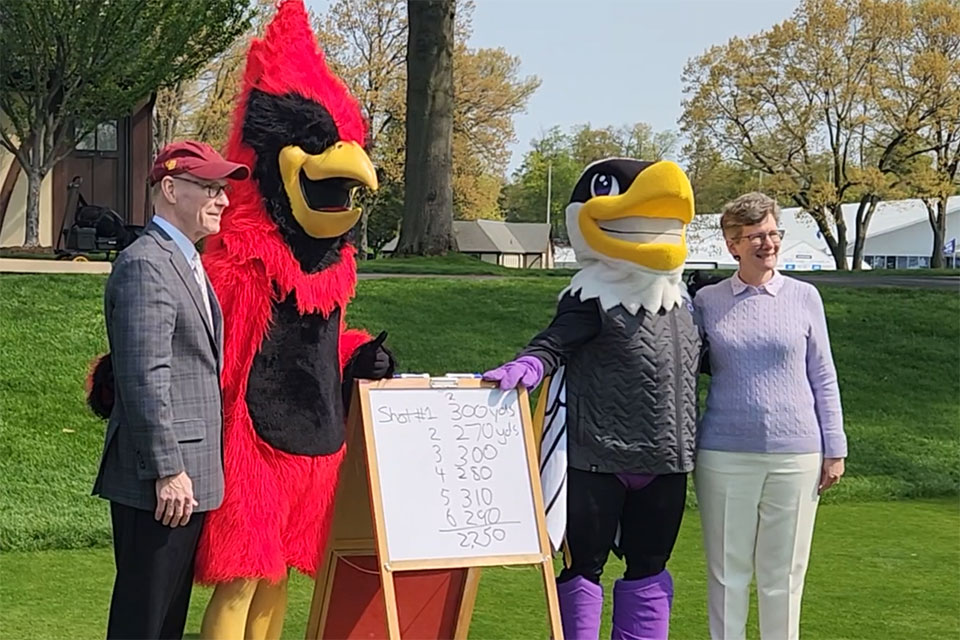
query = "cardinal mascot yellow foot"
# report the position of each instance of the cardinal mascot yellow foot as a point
(283, 269)
(247, 609)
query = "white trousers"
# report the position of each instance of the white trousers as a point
(758, 511)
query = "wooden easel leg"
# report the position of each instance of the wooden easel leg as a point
(321, 595)
(553, 602)
(469, 598)
(390, 602)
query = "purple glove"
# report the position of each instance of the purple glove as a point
(525, 371)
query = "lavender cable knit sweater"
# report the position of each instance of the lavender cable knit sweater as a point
(773, 387)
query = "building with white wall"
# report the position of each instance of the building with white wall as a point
(899, 237)
(517, 245)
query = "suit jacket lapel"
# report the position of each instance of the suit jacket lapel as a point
(183, 269)
(217, 313)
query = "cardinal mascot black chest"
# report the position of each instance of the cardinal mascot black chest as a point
(294, 393)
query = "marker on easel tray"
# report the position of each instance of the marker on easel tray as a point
(407, 376)
(472, 376)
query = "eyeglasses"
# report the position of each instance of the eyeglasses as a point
(756, 239)
(213, 190)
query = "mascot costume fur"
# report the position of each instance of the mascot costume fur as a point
(618, 417)
(283, 269)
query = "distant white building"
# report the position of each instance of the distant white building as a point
(564, 257)
(898, 237)
(803, 249)
(902, 239)
(517, 245)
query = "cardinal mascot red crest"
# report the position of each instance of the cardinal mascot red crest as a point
(283, 269)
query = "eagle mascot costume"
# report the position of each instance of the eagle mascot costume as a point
(619, 364)
(283, 269)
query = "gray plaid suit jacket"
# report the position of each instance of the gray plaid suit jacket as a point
(167, 415)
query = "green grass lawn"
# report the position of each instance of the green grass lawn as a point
(452, 264)
(47, 253)
(461, 264)
(895, 350)
(879, 571)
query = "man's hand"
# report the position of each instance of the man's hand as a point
(175, 501)
(832, 470)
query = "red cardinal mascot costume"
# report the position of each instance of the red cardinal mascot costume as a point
(283, 269)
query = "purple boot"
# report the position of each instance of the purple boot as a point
(581, 602)
(641, 608)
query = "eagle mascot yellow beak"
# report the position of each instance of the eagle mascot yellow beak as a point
(631, 211)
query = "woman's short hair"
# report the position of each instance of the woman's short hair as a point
(749, 209)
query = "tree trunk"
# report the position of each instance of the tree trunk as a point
(864, 213)
(166, 114)
(364, 235)
(32, 233)
(840, 252)
(427, 227)
(838, 244)
(938, 223)
(6, 191)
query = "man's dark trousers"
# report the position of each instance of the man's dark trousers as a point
(151, 595)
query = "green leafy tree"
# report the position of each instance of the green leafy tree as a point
(69, 65)
(827, 104)
(557, 159)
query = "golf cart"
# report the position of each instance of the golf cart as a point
(90, 228)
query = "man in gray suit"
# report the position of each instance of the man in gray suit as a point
(162, 464)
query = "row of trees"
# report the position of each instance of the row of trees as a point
(478, 90)
(847, 101)
(69, 65)
(549, 171)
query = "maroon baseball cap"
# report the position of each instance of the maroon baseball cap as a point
(196, 158)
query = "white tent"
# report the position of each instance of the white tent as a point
(899, 236)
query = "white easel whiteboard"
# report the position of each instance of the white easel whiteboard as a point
(453, 471)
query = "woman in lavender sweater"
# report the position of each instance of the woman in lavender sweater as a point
(771, 439)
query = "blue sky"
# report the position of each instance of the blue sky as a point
(609, 62)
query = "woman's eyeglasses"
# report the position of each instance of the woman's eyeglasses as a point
(756, 239)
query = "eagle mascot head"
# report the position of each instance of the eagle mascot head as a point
(627, 222)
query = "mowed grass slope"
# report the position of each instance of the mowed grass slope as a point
(895, 351)
(879, 571)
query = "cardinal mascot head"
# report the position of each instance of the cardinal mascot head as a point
(303, 136)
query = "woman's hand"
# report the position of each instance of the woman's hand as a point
(830, 475)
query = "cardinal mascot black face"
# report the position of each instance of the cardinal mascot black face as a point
(283, 270)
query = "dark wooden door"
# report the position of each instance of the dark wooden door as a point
(100, 161)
